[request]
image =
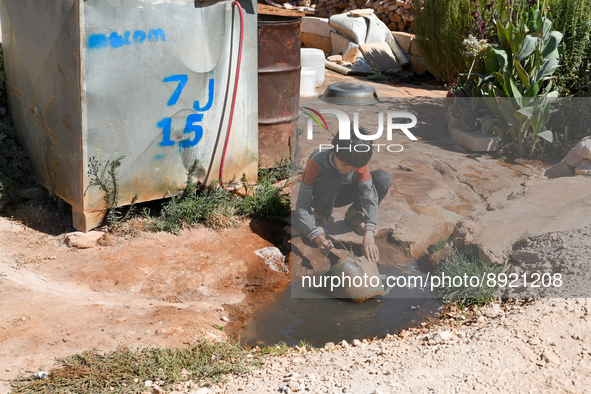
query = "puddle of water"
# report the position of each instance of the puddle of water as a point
(318, 321)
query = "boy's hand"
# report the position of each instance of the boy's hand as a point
(325, 245)
(370, 249)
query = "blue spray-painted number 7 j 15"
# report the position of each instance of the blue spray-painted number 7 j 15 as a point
(192, 125)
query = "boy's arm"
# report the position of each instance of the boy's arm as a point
(304, 201)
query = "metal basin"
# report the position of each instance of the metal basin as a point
(350, 94)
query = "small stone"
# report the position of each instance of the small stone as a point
(356, 342)
(224, 318)
(329, 345)
(344, 343)
(550, 357)
(158, 390)
(80, 240)
(534, 341)
(335, 58)
(294, 386)
(492, 310)
(441, 336)
(148, 383)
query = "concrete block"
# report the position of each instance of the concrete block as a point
(475, 141)
(310, 40)
(318, 26)
(418, 64)
(414, 48)
(403, 39)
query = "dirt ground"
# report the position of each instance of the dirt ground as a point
(155, 289)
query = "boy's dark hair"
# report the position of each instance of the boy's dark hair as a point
(354, 151)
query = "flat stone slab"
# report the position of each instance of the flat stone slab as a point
(435, 182)
(476, 142)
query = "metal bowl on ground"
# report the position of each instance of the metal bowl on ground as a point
(346, 93)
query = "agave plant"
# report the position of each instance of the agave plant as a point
(518, 84)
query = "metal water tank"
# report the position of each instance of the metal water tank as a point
(148, 79)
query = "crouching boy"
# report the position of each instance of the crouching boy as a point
(337, 177)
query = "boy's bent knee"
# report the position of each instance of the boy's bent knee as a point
(381, 179)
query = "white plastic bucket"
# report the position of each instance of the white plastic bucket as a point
(312, 57)
(308, 82)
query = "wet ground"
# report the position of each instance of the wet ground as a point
(321, 320)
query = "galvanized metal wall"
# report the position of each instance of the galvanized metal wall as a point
(142, 78)
(41, 56)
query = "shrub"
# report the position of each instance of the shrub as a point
(441, 26)
(573, 18)
(438, 27)
(519, 71)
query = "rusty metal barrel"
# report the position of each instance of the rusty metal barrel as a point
(279, 82)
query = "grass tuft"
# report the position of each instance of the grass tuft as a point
(459, 264)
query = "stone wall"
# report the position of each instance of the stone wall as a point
(396, 14)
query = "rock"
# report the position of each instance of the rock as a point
(403, 39)
(344, 343)
(584, 168)
(148, 383)
(329, 345)
(335, 58)
(82, 240)
(550, 357)
(573, 159)
(583, 148)
(475, 141)
(356, 342)
(224, 318)
(273, 257)
(294, 386)
(158, 390)
(352, 55)
(441, 336)
(559, 170)
(203, 390)
(492, 310)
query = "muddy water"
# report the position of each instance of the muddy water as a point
(317, 321)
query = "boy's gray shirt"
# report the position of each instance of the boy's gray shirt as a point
(320, 162)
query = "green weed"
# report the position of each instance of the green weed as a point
(125, 371)
(440, 244)
(103, 174)
(267, 202)
(279, 171)
(217, 208)
(459, 264)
